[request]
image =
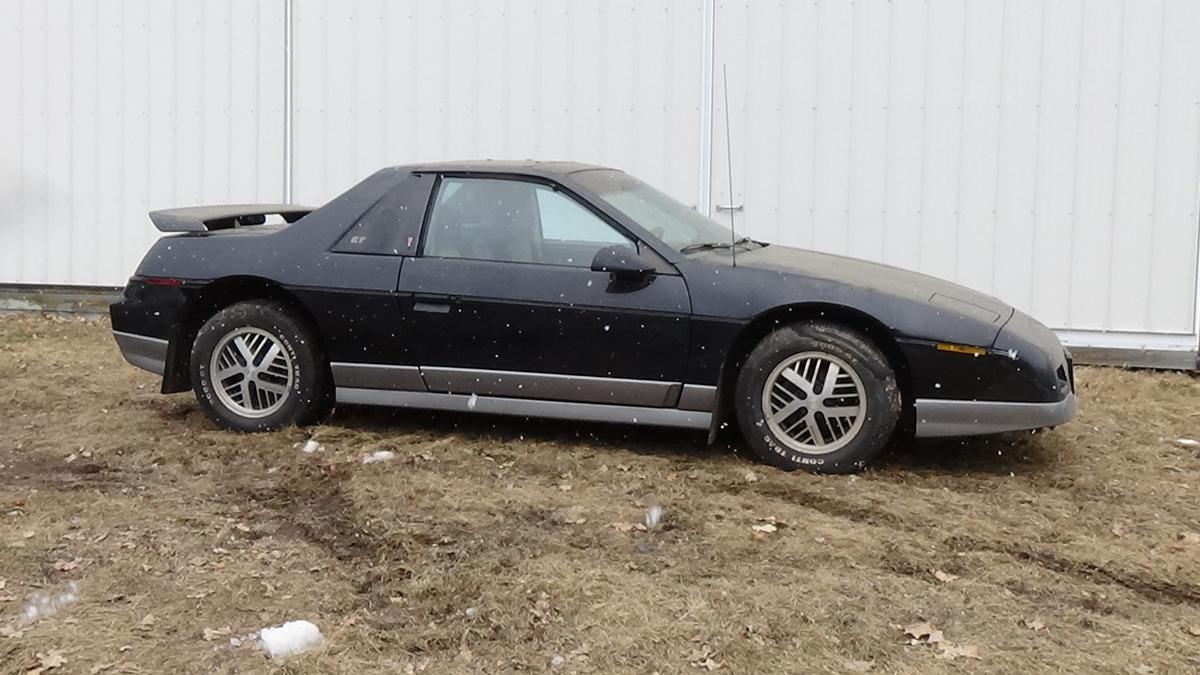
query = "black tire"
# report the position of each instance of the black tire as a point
(817, 340)
(310, 394)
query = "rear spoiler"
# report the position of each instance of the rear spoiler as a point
(207, 218)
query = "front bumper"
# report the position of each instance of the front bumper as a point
(143, 351)
(940, 418)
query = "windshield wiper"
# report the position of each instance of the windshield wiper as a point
(709, 245)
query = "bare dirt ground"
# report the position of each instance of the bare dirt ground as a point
(501, 545)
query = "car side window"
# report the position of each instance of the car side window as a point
(563, 219)
(514, 221)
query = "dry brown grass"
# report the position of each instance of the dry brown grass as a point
(1090, 530)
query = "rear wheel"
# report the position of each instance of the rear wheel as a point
(818, 396)
(256, 367)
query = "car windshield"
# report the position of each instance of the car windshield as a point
(680, 227)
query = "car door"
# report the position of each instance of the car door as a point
(503, 301)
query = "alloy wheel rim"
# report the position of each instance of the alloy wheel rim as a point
(814, 403)
(251, 372)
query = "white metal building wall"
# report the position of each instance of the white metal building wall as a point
(1047, 151)
(382, 82)
(110, 109)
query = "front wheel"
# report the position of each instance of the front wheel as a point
(256, 367)
(819, 396)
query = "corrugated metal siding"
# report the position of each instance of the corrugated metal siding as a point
(112, 109)
(1046, 152)
(382, 83)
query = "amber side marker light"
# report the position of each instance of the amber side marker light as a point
(961, 349)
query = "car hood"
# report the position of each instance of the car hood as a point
(871, 275)
(904, 299)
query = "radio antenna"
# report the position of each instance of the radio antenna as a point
(729, 165)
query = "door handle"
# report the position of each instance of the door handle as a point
(730, 207)
(435, 304)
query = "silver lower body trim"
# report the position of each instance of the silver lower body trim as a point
(578, 388)
(568, 410)
(143, 351)
(938, 418)
(377, 376)
(698, 397)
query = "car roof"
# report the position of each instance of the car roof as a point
(528, 167)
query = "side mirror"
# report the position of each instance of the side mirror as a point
(622, 262)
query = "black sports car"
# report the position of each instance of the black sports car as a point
(554, 289)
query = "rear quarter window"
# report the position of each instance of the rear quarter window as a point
(393, 225)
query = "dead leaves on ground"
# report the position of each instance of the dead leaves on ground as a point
(47, 661)
(68, 565)
(704, 658)
(765, 527)
(951, 652)
(211, 634)
(924, 633)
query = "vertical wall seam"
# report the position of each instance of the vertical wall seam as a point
(356, 107)
(258, 74)
(1075, 235)
(847, 220)
(1112, 214)
(887, 135)
(199, 110)
(816, 124)
(999, 145)
(1195, 216)
(1034, 210)
(175, 109)
(231, 95)
(98, 159)
(288, 129)
(921, 171)
(481, 58)
(22, 214)
(69, 116)
(782, 118)
(707, 49)
(1153, 216)
(962, 143)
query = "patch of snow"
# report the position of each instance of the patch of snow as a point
(44, 605)
(310, 446)
(653, 516)
(472, 402)
(1187, 443)
(293, 637)
(379, 456)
